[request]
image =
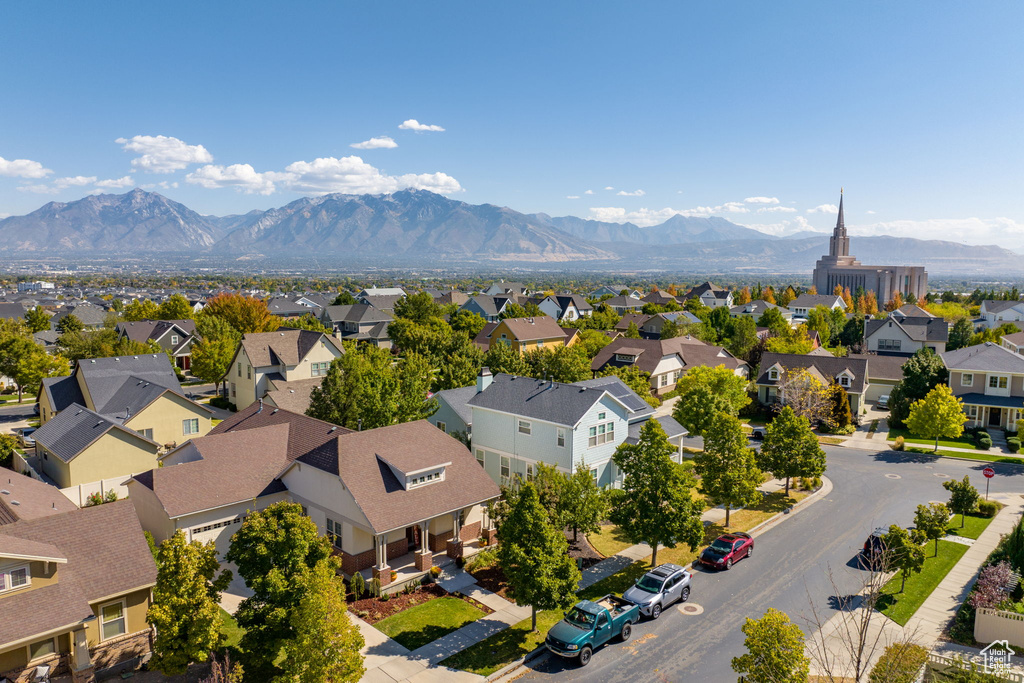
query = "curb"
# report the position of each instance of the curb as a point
(537, 653)
(824, 490)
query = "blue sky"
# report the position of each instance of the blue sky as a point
(689, 107)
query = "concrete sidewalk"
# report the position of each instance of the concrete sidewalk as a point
(938, 610)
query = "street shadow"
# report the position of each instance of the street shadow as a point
(845, 603)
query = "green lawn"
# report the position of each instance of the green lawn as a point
(973, 525)
(901, 606)
(231, 630)
(609, 541)
(422, 624)
(975, 455)
(961, 442)
(505, 647)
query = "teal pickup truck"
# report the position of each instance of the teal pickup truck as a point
(589, 625)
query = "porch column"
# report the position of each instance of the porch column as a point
(82, 670)
(489, 533)
(381, 570)
(424, 558)
(454, 549)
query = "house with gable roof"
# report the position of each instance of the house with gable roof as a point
(388, 497)
(265, 361)
(174, 336)
(996, 313)
(710, 295)
(989, 379)
(360, 323)
(529, 334)
(665, 360)
(850, 372)
(904, 334)
(802, 305)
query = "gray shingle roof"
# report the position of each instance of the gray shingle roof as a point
(356, 313)
(812, 300)
(458, 400)
(667, 422)
(994, 401)
(105, 377)
(637, 406)
(9, 311)
(998, 306)
(75, 428)
(62, 391)
(987, 357)
(563, 404)
(828, 367)
(919, 329)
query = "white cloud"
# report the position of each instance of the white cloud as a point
(382, 142)
(22, 168)
(761, 200)
(774, 209)
(783, 228)
(38, 189)
(352, 175)
(124, 181)
(572, 196)
(162, 185)
(824, 208)
(76, 181)
(636, 193)
(609, 188)
(242, 177)
(589, 192)
(1005, 232)
(163, 154)
(413, 124)
(645, 217)
(871, 213)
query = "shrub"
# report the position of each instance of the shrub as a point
(362, 614)
(93, 499)
(899, 663)
(1013, 443)
(482, 560)
(374, 587)
(460, 561)
(991, 587)
(110, 496)
(223, 404)
(987, 508)
(426, 580)
(385, 597)
(810, 483)
(409, 589)
(435, 571)
(482, 541)
(897, 445)
(394, 575)
(358, 585)
(984, 443)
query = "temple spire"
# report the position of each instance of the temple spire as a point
(840, 223)
(839, 244)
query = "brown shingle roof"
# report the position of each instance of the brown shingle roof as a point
(285, 346)
(107, 556)
(692, 352)
(293, 396)
(539, 327)
(35, 498)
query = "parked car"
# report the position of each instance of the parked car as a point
(25, 437)
(883, 402)
(874, 547)
(757, 433)
(726, 550)
(659, 588)
(589, 625)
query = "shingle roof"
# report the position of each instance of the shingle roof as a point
(285, 346)
(703, 288)
(994, 401)
(912, 311)
(827, 367)
(563, 404)
(62, 392)
(485, 303)
(999, 306)
(987, 357)
(539, 327)
(294, 395)
(1017, 338)
(812, 300)
(691, 351)
(9, 311)
(637, 406)
(34, 498)
(359, 459)
(625, 302)
(105, 377)
(757, 307)
(673, 429)
(356, 313)
(107, 556)
(75, 428)
(919, 329)
(581, 304)
(458, 399)
(145, 330)
(384, 302)
(883, 366)
(23, 548)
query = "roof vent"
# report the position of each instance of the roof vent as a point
(92, 360)
(332, 429)
(14, 502)
(117, 360)
(274, 411)
(5, 492)
(136, 357)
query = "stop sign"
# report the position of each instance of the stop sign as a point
(988, 472)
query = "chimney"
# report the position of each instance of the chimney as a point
(260, 410)
(483, 379)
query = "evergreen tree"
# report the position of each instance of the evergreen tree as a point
(37, 319)
(960, 334)
(632, 331)
(70, 324)
(344, 299)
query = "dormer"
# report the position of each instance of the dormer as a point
(21, 560)
(411, 478)
(775, 372)
(845, 379)
(628, 354)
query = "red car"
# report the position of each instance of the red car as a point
(727, 549)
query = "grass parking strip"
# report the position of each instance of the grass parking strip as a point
(900, 607)
(984, 457)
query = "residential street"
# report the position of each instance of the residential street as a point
(790, 561)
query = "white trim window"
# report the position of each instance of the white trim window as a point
(773, 374)
(334, 532)
(998, 381)
(529, 471)
(480, 457)
(525, 427)
(442, 426)
(14, 578)
(972, 412)
(663, 380)
(319, 369)
(967, 379)
(560, 437)
(174, 340)
(593, 474)
(889, 344)
(190, 426)
(43, 648)
(506, 468)
(113, 620)
(844, 381)
(601, 434)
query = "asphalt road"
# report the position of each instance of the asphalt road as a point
(790, 563)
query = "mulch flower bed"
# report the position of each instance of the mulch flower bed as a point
(492, 579)
(582, 551)
(372, 610)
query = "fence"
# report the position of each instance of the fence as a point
(939, 663)
(994, 624)
(21, 466)
(79, 494)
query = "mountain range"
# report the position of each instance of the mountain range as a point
(417, 226)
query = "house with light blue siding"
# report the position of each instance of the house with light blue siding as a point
(520, 421)
(453, 413)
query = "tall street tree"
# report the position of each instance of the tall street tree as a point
(655, 505)
(185, 611)
(921, 373)
(273, 550)
(903, 553)
(775, 651)
(790, 448)
(213, 350)
(938, 415)
(583, 503)
(963, 499)
(704, 392)
(534, 556)
(244, 313)
(326, 645)
(930, 521)
(727, 468)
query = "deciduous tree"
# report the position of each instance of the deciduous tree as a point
(790, 448)
(804, 393)
(656, 506)
(930, 521)
(140, 309)
(37, 320)
(344, 298)
(722, 381)
(960, 334)
(69, 324)
(632, 331)
(214, 348)
(503, 358)
(185, 610)
(903, 553)
(921, 373)
(468, 322)
(534, 556)
(634, 378)
(939, 414)
(584, 505)
(963, 499)
(775, 651)
(727, 468)
(175, 307)
(244, 313)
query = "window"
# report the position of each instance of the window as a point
(148, 433)
(997, 382)
(248, 372)
(889, 344)
(174, 340)
(601, 416)
(442, 426)
(334, 532)
(844, 381)
(529, 472)
(319, 369)
(42, 649)
(676, 375)
(972, 412)
(967, 379)
(12, 579)
(505, 471)
(625, 358)
(239, 368)
(112, 623)
(525, 427)
(663, 380)
(773, 374)
(480, 457)
(560, 437)
(190, 426)
(602, 433)
(593, 474)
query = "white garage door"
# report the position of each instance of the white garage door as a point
(220, 534)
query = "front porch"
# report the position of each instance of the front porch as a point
(985, 411)
(407, 571)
